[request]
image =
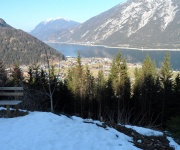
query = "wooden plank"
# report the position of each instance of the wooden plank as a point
(11, 88)
(10, 102)
(11, 94)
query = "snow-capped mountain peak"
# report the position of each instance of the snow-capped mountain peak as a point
(54, 19)
(138, 14)
(46, 28)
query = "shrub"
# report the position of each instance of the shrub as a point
(174, 127)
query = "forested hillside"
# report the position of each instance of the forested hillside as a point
(17, 45)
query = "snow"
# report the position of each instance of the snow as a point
(150, 132)
(85, 34)
(53, 19)
(173, 144)
(145, 131)
(47, 131)
(136, 15)
(169, 14)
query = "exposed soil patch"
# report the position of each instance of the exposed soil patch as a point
(13, 113)
(139, 140)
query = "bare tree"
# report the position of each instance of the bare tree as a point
(51, 83)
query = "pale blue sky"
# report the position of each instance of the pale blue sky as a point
(26, 14)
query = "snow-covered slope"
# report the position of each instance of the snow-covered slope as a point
(135, 23)
(49, 26)
(46, 131)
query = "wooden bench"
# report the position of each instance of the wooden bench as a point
(9, 93)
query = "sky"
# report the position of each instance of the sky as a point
(26, 14)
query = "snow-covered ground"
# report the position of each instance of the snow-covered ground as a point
(47, 131)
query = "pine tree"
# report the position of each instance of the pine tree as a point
(80, 73)
(76, 85)
(115, 80)
(100, 93)
(125, 84)
(30, 72)
(3, 74)
(17, 75)
(149, 77)
(137, 90)
(166, 84)
(176, 100)
(144, 90)
(72, 86)
(43, 78)
(88, 92)
(115, 74)
(121, 85)
(177, 85)
(34, 75)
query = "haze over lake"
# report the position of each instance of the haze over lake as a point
(131, 55)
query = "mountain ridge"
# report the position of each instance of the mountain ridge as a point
(135, 23)
(46, 28)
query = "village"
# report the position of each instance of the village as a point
(94, 64)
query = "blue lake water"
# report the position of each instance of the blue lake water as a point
(131, 55)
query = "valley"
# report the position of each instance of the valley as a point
(120, 66)
(93, 64)
(148, 24)
(133, 56)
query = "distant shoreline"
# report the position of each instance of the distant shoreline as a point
(140, 49)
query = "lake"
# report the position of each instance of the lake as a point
(131, 55)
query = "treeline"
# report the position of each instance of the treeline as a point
(151, 98)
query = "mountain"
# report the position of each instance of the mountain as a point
(135, 23)
(44, 29)
(17, 45)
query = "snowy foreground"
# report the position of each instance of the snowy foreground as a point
(47, 131)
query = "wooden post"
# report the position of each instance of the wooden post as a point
(8, 111)
(17, 108)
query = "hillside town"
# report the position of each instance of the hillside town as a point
(94, 64)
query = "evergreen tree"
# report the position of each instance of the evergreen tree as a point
(43, 78)
(17, 75)
(167, 85)
(88, 92)
(176, 100)
(76, 85)
(144, 91)
(100, 93)
(34, 75)
(120, 83)
(115, 73)
(149, 77)
(52, 75)
(177, 86)
(3, 74)
(79, 84)
(115, 80)
(125, 85)
(30, 72)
